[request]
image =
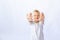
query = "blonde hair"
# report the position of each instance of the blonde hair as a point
(36, 11)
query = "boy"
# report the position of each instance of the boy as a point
(37, 19)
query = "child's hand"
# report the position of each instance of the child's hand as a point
(42, 17)
(29, 17)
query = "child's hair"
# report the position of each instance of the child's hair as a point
(36, 11)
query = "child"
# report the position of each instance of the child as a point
(37, 19)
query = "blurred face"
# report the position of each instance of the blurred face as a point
(36, 16)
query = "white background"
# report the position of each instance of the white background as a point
(13, 24)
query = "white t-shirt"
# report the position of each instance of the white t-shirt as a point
(37, 31)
